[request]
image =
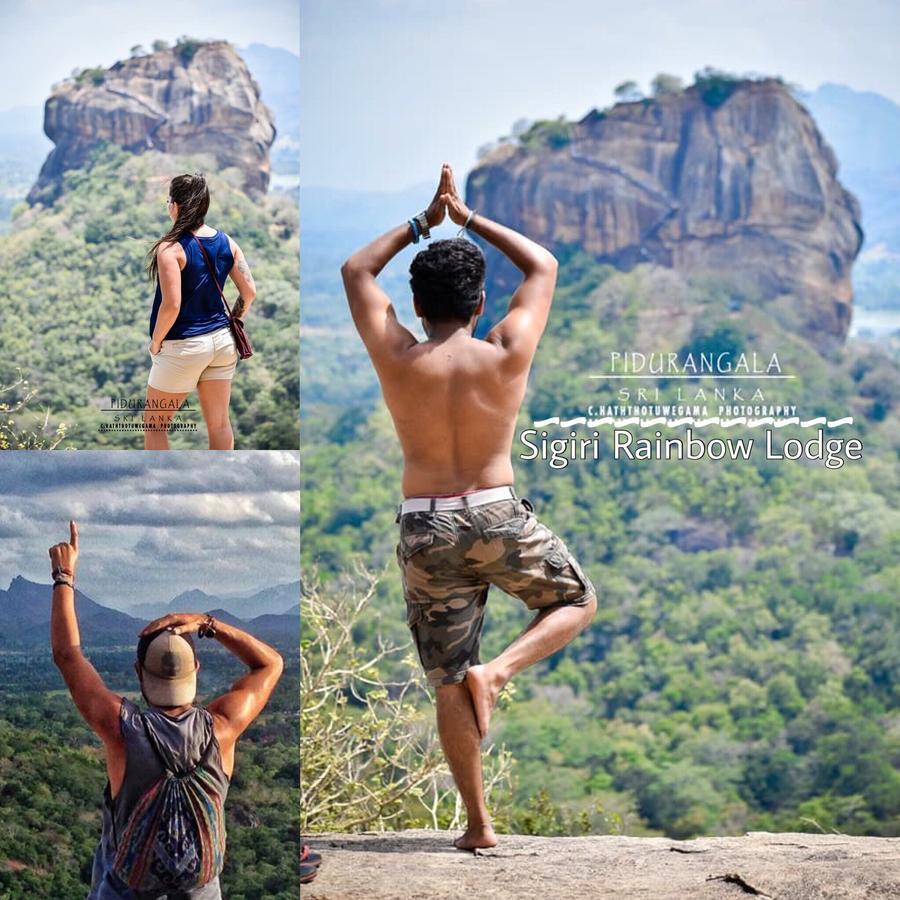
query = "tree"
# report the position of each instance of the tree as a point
(38, 435)
(628, 92)
(159, 45)
(714, 85)
(138, 50)
(186, 47)
(664, 84)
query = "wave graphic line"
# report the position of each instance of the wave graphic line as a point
(690, 420)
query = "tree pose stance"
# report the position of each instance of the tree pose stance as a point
(454, 400)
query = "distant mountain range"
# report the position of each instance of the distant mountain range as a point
(25, 616)
(269, 601)
(277, 72)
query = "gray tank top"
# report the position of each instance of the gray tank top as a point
(181, 740)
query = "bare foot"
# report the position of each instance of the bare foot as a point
(484, 688)
(477, 837)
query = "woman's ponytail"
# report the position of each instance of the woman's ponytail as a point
(191, 193)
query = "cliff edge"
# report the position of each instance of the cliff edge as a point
(423, 865)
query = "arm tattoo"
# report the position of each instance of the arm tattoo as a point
(244, 269)
(238, 309)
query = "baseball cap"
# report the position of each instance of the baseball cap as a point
(169, 666)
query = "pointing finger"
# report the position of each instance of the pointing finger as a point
(73, 534)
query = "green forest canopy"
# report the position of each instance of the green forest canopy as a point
(52, 776)
(742, 672)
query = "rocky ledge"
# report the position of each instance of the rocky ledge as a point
(423, 865)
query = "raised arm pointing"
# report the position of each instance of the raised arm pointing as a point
(98, 705)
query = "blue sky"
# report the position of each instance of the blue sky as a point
(153, 524)
(43, 40)
(391, 88)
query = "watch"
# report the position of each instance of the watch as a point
(422, 222)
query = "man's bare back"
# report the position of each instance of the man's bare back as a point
(456, 424)
(453, 398)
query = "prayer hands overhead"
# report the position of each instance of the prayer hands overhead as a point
(437, 209)
(456, 208)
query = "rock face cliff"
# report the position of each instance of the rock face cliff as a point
(737, 183)
(199, 98)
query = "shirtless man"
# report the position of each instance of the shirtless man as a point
(454, 400)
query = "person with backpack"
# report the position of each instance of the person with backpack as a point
(169, 766)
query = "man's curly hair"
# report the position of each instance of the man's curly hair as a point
(447, 279)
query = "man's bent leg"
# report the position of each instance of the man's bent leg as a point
(550, 630)
(462, 748)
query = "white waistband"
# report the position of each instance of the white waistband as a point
(476, 498)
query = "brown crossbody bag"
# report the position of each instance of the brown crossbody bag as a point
(241, 341)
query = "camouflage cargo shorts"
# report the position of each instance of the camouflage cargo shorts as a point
(448, 561)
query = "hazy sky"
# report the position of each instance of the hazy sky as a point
(153, 524)
(391, 88)
(43, 40)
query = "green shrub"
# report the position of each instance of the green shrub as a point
(95, 76)
(554, 133)
(715, 86)
(186, 48)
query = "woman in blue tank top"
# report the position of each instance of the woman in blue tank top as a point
(191, 345)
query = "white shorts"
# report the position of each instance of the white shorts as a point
(181, 364)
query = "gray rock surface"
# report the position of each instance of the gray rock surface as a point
(745, 190)
(423, 865)
(208, 103)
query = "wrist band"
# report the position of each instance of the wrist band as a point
(422, 221)
(208, 628)
(63, 581)
(415, 229)
(466, 224)
(59, 570)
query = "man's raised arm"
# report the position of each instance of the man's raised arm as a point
(521, 328)
(98, 705)
(372, 310)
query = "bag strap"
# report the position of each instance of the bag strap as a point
(161, 756)
(212, 272)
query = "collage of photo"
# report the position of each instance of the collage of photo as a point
(551, 355)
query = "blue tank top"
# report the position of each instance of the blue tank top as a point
(202, 309)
